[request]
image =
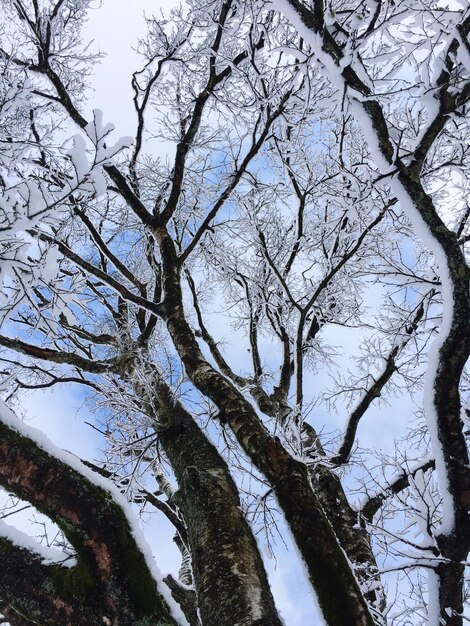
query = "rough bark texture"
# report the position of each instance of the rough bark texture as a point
(453, 354)
(350, 532)
(450, 577)
(111, 583)
(452, 358)
(337, 589)
(111, 573)
(14, 618)
(35, 590)
(229, 577)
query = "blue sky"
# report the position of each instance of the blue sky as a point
(115, 27)
(61, 412)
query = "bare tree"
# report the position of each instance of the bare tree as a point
(315, 185)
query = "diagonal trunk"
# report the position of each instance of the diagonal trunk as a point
(111, 582)
(230, 581)
(330, 572)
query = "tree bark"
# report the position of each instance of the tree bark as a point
(229, 576)
(111, 582)
(331, 575)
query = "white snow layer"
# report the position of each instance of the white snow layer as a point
(48, 555)
(9, 418)
(421, 229)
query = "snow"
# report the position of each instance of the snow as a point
(27, 202)
(9, 418)
(421, 229)
(384, 490)
(95, 129)
(315, 41)
(79, 159)
(302, 566)
(433, 599)
(430, 412)
(89, 176)
(462, 51)
(49, 555)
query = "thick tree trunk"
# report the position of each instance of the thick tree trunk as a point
(351, 534)
(229, 577)
(453, 355)
(450, 580)
(14, 618)
(335, 584)
(449, 446)
(450, 449)
(111, 583)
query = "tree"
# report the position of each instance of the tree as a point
(315, 184)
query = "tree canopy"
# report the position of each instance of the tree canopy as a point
(263, 295)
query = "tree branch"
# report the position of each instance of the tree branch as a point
(373, 504)
(91, 520)
(55, 356)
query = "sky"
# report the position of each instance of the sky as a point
(114, 28)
